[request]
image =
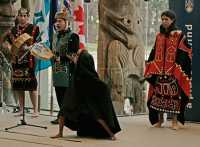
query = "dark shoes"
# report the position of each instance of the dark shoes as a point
(55, 122)
(15, 109)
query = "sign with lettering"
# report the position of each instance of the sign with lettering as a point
(188, 19)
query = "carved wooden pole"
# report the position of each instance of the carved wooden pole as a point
(121, 53)
(7, 15)
(7, 20)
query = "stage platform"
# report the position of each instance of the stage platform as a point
(136, 132)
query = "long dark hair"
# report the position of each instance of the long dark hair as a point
(171, 14)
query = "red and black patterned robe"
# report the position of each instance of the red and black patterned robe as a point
(168, 71)
(23, 73)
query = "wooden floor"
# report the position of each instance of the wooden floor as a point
(136, 132)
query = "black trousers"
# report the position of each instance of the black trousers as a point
(60, 93)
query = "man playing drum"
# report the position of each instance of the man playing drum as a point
(23, 77)
(66, 42)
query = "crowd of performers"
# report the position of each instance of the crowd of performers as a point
(84, 100)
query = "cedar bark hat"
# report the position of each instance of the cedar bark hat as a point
(63, 15)
(23, 11)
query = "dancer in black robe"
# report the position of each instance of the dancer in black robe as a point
(88, 108)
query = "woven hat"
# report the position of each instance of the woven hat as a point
(63, 15)
(23, 11)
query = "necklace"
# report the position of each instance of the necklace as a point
(20, 29)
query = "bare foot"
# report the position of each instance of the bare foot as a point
(57, 136)
(35, 114)
(20, 113)
(180, 125)
(175, 127)
(157, 125)
(113, 138)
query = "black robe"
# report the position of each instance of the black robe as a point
(89, 100)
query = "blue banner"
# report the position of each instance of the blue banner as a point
(41, 19)
(188, 19)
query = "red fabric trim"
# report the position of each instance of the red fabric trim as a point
(150, 92)
(184, 48)
(82, 45)
(165, 54)
(183, 80)
(155, 67)
(151, 68)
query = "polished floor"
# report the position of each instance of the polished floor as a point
(136, 132)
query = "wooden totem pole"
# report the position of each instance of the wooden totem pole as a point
(7, 20)
(121, 53)
(7, 15)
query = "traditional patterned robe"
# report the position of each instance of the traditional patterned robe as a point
(23, 74)
(168, 71)
(66, 42)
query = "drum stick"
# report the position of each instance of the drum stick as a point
(29, 49)
(39, 37)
